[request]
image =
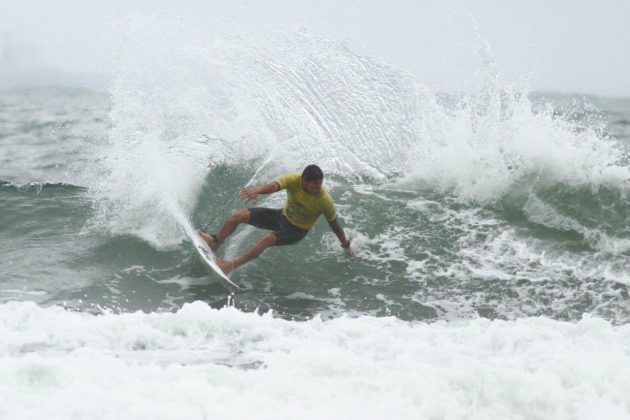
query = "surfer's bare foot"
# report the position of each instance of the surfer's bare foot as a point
(224, 265)
(211, 242)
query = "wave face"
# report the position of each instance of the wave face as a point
(281, 103)
(277, 105)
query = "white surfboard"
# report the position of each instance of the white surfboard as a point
(207, 256)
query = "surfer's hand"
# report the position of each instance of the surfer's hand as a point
(350, 252)
(249, 194)
(348, 249)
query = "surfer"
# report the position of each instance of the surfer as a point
(306, 201)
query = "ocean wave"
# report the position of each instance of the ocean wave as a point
(273, 105)
(200, 362)
(599, 215)
(265, 106)
(38, 187)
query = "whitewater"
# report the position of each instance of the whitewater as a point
(491, 231)
(207, 363)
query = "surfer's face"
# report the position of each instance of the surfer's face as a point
(313, 187)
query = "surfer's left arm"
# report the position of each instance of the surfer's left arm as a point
(341, 235)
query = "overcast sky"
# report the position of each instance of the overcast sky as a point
(573, 46)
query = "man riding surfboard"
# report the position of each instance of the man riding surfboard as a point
(306, 201)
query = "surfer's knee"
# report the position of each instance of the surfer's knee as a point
(268, 239)
(240, 216)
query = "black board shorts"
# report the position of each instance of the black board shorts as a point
(275, 221)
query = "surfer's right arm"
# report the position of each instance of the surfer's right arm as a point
(251, 194)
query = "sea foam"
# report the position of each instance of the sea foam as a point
(201, 362)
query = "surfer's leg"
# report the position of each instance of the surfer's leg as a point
(215, 241)
(263, 243)
(209, 240)
(238, 217)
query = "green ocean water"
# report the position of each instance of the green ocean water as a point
(432, 243)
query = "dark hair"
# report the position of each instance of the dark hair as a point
(312, 173)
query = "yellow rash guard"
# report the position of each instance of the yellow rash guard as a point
(302, 208)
